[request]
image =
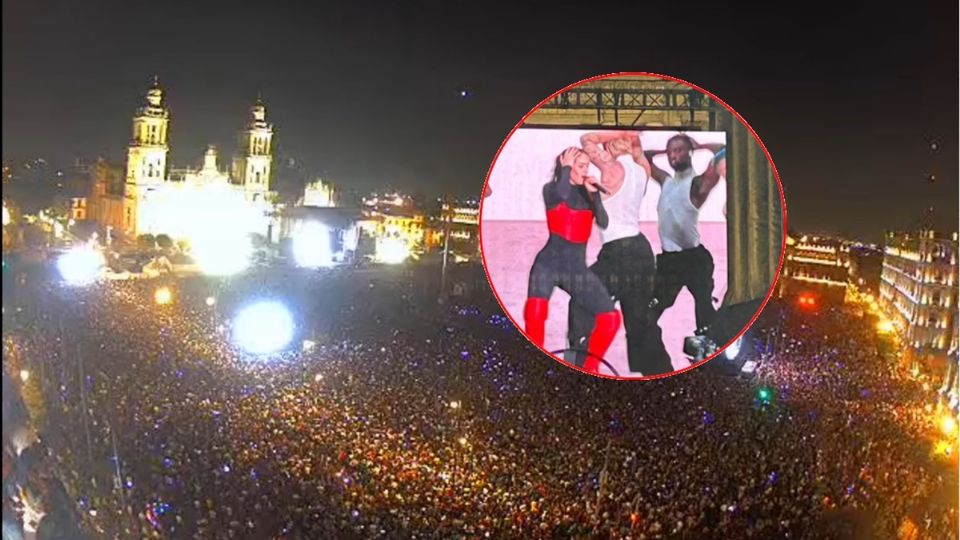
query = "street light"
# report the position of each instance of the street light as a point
(163, 296)
(948, 425)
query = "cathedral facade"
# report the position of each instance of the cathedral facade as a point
(187, 203)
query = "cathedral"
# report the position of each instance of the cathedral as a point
(189, 203)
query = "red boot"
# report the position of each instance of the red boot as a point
(605, 326)
(535, 319)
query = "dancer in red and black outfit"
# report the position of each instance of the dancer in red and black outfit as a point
(572, 204)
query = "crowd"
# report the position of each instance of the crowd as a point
(413, 419)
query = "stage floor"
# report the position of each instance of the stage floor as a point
(509, 248)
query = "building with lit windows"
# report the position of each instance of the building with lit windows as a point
(950, 388)
(816, 265)
(319, 194)
(73, 192)
(410, 228)
(462, 219)
(918, 292)
(866, 264)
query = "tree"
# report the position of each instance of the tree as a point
(164, 241)
(146, 241)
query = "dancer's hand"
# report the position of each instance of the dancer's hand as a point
(590, 183)
(569, 156)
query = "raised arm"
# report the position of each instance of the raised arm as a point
(713, 147)
(645, 159)
(559, 189)
(704, 184)
(596, 202)
(593, 145)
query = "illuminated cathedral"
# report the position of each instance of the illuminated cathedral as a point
(198, 205)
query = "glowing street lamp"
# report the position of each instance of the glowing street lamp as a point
(885, 327)
(392, 251)
(163, 296)
(948, 425)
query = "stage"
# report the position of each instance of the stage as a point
(509, 248)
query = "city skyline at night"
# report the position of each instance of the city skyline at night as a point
(421, 101)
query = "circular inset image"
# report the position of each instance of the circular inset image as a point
(632, 226)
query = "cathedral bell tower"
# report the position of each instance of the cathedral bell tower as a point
(252, 165)
(146, 160)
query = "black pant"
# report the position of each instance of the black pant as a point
(627, 269)
(691, 268)
(564, 264)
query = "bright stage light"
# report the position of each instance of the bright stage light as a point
(733, 350)
(885, 327)
(263, 328)
(221, 253)
(81, 265)
(24, 375)
(163, 296)
(392, 251)
(311, 246)
(211, 301)
(948, 424)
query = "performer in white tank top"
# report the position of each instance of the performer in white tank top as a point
(623, 207)
(684, 261)
(626, 264)
(677, 217)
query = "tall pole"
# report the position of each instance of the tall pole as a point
(445, 212)
(118, 478)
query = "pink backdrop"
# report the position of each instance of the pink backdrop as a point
(513, 228)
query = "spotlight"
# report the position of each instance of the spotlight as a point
(81, 265)
(311, 246)
(263, 327)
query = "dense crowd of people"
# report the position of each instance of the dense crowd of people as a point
(409, 418)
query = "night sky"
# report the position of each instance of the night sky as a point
(847, 102)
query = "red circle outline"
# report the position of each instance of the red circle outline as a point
(783, 208)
